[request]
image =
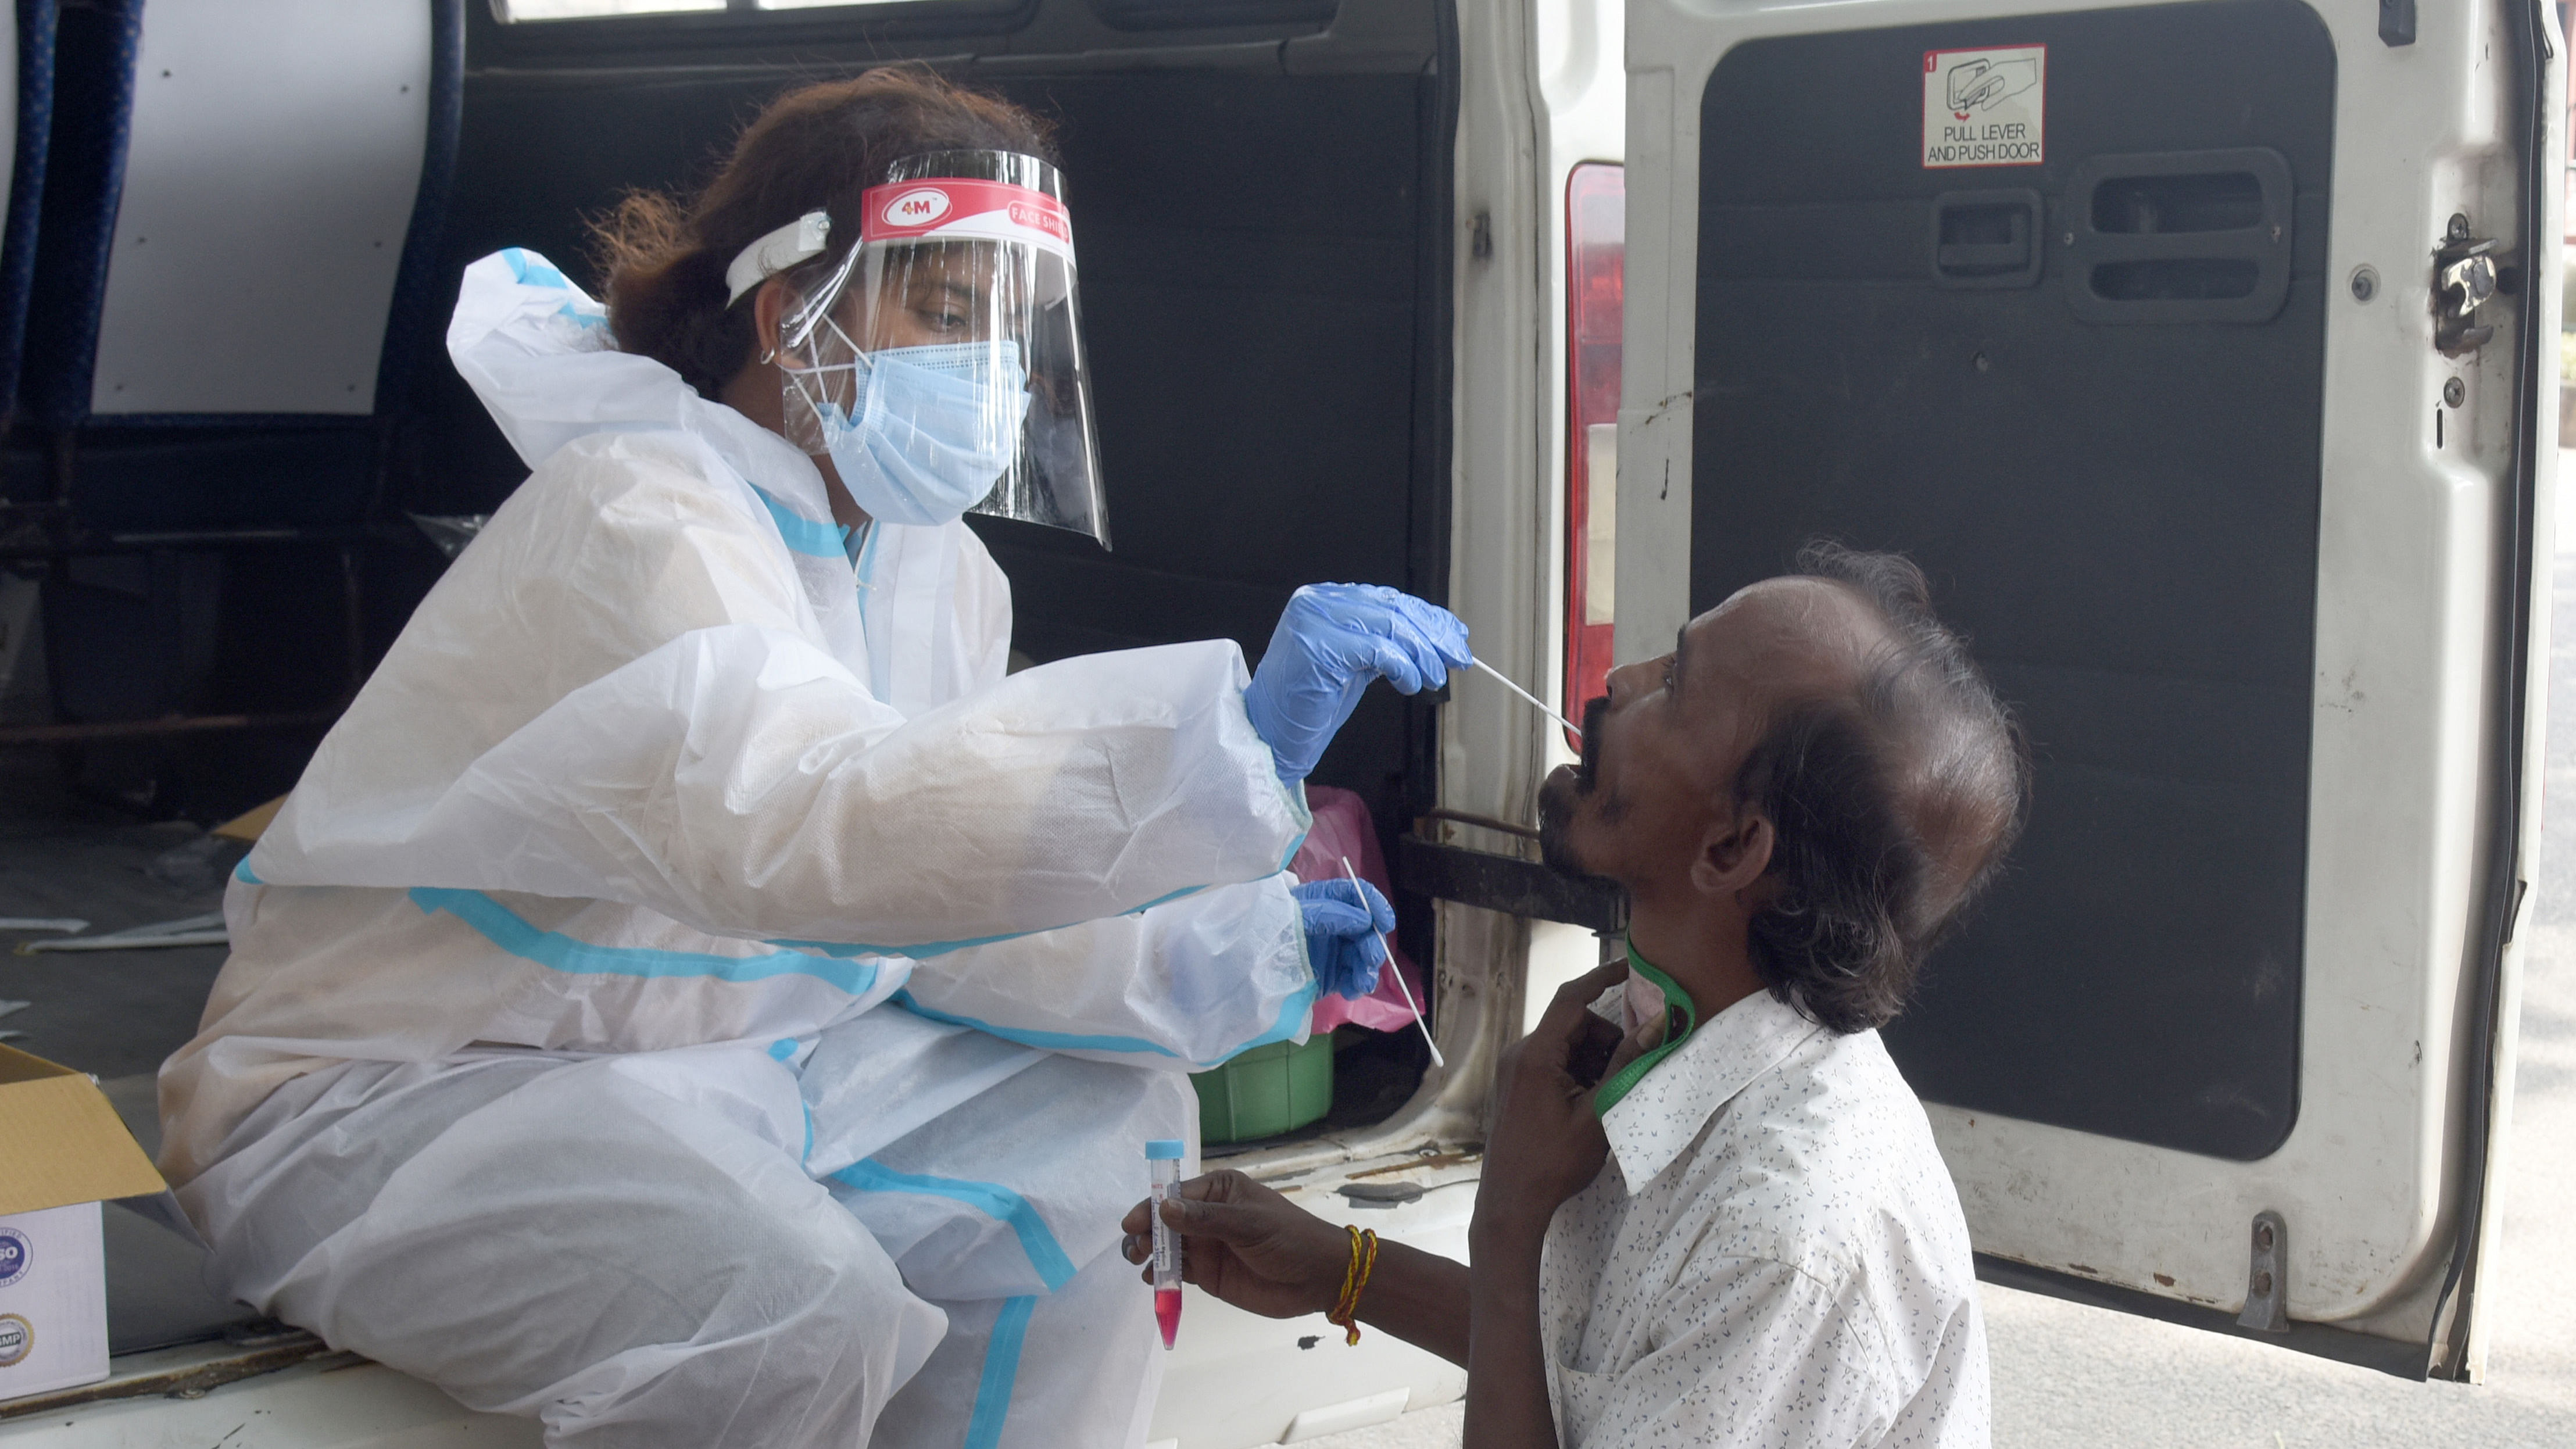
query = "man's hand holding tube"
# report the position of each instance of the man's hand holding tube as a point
(1253, 1248)
(1247, 1245)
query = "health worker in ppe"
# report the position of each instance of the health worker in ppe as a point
(695, 998)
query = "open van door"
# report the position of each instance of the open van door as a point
(2197, 352)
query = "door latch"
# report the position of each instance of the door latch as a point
(2267, 1277)
(2464, 277)
(1987, 238)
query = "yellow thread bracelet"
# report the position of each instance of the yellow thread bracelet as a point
(1346, 1309)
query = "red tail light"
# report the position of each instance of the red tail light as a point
(1596, 246)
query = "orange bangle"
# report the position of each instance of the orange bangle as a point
(1345, 1313)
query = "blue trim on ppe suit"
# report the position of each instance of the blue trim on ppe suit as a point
(504, 928)
(995, 1201)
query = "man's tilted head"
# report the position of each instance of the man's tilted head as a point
(1818, 773)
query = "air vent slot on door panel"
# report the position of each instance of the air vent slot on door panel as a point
(2180, 236)
(2200, 201)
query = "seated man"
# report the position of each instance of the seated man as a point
(1727, 1222)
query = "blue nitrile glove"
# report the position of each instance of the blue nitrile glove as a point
(1344, 939)
(1331, 641)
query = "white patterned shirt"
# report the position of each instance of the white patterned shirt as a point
(1772, 1256)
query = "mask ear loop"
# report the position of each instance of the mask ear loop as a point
(814, 305)
(811, 380)
(798, 329)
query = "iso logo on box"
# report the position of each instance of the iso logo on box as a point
(17, 1255)
(918, 207)
(17, 1338)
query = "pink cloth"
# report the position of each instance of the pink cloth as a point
(1343, 828)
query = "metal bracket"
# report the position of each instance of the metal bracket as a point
(1509, 884)
(2267, 1279)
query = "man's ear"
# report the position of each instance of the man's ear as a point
(1734, 853)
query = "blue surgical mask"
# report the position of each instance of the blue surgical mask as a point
(931, 429)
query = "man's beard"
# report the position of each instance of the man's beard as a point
(1558, 799)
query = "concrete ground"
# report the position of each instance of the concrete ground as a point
(2068, 1375)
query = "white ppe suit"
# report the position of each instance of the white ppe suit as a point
(692, 996)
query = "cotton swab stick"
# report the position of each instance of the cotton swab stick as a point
(1525, 694)
(1436, 1059)
(215, 937)
(205, 930)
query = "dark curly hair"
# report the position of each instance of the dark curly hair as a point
(818, 145)
(1891, 808)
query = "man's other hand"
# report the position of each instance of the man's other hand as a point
(1547, 1143)
(1247, 1245)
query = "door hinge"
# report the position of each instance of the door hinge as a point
(2464, 277)
(2267, 1277)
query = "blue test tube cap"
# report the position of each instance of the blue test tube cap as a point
(1166, 1149)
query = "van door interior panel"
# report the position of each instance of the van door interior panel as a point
(2085, 394)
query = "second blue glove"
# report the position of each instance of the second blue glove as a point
(1344, 934)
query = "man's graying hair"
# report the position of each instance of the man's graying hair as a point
(1891, 808)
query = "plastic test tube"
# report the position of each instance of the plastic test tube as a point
(1163, 1155)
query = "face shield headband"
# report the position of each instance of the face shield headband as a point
(938, 362)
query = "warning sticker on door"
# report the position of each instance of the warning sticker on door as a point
(1985, 107)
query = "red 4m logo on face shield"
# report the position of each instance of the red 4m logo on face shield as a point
(961, 208)
(918, 207)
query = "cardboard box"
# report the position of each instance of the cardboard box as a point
(62, 1151)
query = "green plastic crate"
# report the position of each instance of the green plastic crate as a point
(1266, 1091)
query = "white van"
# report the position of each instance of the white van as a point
(2196, 349)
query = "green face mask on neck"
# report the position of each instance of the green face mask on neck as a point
(1677, 1001)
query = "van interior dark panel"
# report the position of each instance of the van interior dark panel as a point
(1268, 330)
(2119, 505)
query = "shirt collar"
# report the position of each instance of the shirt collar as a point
(1663, 1114)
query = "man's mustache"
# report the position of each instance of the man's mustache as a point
(1595, 710)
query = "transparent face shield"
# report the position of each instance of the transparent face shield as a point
(939, 362)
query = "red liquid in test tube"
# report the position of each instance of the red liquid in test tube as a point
(1163, 1156)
